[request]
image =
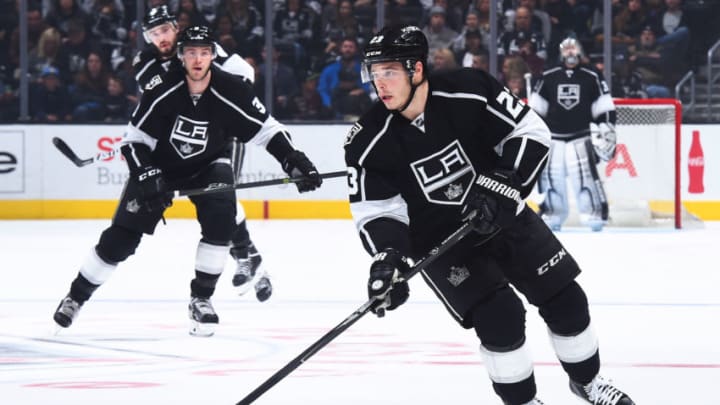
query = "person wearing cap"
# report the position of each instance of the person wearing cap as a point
(49, 98)
(438, 34)
(654, 64)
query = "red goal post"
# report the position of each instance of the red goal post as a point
(642, 181)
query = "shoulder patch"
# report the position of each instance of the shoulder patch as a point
(153, 82)
(353, 131)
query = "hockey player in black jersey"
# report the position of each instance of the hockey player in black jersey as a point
(575, 101)
(160, 31)
(453, 147)
(177, 139)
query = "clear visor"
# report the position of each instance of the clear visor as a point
(380, 73)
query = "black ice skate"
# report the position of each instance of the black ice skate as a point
(203, 317)
(600, 392)
(248, 273)
(66, 312)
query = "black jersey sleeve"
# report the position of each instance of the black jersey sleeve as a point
(521, 137)
(603, 107)
(378, 209)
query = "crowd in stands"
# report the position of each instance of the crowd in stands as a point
(80, 51)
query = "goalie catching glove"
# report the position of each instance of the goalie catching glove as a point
(386, 284)
(603, 139)
(493, 201)
(296, 164)
(152, 189)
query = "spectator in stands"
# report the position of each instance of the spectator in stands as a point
(561, 25)
(472, 24)
(73, 54)
(46, 53)
(444, 59)
(9, 78)
(342, 25)
(108, 26)
(49, 98)
(89, 90)
(628, 24)
(35, 25)
(655, 65)
(248, 28)
(473, 46)
(308, 104)
(482, 8)
(671, 24)
(438, 34)
(295, 26)
(184, 20)
(208, 9)
(454, 13)
(61, 12)
(524, 41)
(117, 103)
(196, 17)
(481, 61)
(512, 66)
(539, 19)
(285, 83)
(341, 87)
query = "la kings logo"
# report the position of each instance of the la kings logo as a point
(568, 95)
(446, 176)
(189, 137)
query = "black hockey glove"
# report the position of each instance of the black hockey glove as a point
(493, 201)
(385, 284)
(296, 164)
(154, 194)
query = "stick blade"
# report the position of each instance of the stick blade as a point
(65, 150)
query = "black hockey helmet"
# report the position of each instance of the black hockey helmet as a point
(157, 16)
(404, 44)
(197, 35)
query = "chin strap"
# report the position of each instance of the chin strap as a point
(413, 88)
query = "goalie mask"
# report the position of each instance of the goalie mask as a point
(570, 52)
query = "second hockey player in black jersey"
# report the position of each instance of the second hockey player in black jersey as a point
(575, 101)
(160, 32)
(453, 147)
(177, 139)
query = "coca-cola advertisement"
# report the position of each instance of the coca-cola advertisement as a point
(696, 165)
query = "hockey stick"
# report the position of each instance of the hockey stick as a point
(219, 188)
(434, 253)
(213, 188)
(70, 154)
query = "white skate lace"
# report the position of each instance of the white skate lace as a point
(202, 306)
(69, 307)
(602, 392)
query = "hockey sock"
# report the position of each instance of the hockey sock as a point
(81, 289)
(203, 285)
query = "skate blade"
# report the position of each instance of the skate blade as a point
(243, 289)
(202, 329)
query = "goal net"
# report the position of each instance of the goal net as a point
(642, 181)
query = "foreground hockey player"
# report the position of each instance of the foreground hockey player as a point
(457, 146)
(160, 31)
(177, 139)
(575, 101)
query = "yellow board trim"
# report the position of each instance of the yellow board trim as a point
(254, 209)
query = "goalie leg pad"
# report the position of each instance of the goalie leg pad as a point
(553, 184)
(585, 179)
